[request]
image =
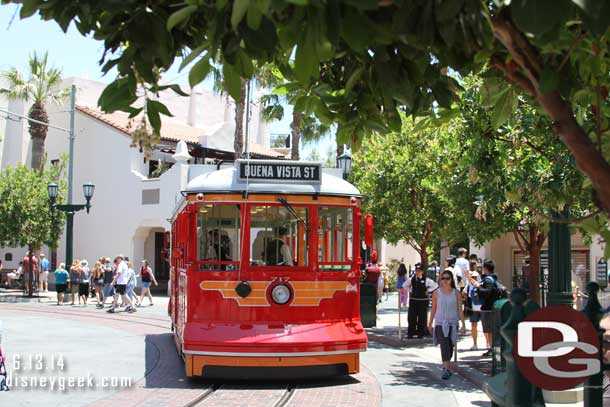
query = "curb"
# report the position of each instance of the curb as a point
(394, 341)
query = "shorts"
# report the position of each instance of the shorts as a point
(44, 277)
(99, 283)
(74, 287)
(83, 289)
(61, 288)
(386, 290)
(487, 318)
(145, 284)
(108, 290)
(475, 316)
(121, 289)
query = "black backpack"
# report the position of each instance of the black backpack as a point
(499, 290)
(273, 256)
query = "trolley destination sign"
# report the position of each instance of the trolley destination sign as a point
(274, 171)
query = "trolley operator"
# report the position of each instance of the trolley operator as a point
(419, 286)
(278, 252)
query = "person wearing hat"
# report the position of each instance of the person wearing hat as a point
(473, 305)
(419, 286)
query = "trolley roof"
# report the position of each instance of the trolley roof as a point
(229, 180)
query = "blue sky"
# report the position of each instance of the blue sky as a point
(78, 56)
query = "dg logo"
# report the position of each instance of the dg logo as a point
(557, 348)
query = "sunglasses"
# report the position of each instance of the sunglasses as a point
(446, 278)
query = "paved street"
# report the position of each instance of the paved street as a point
(139, 347)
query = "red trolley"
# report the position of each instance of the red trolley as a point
(265, 274)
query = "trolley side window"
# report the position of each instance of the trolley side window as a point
(218, 232)
(278, 235)
(335, 237)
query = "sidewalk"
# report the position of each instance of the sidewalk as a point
(471, 365)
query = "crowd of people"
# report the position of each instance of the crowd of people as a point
(466, 287)
(107, 281)
(111, 279)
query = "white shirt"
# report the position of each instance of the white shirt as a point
(461, 267)
(430, 284)
(123, 273)
(286, 255)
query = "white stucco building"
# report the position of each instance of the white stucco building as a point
(131, 203)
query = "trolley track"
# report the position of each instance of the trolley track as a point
(240, 394)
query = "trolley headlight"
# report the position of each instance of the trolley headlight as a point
(280, 294)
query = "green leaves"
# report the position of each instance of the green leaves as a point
(199, 71)
(240, 7)
(30, 221)
(232, 81)
(180, 16)
(119, 95)
(549, 80)
(506, 104)
(540, 16)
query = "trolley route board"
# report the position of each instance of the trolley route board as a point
(277, 171)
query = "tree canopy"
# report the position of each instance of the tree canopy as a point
(27, 219)
(416, 189)
(363, 63)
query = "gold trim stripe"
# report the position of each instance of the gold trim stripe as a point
(306, 293)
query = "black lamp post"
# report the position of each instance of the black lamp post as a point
(70, 209)
(344, 161)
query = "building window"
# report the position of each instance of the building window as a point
(55, 162)
(8, 257)
(151, 196)
(218, 232)
(278, 235)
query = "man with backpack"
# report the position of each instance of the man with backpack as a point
(488, 290)
(278, 252)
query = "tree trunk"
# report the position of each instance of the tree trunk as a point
(240, 106)
(38, 134)
(424, 257)
(295, 127)
(589, 160)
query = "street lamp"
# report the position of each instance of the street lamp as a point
(344, 161)
(70, 210)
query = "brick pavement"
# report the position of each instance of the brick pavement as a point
(164, 384)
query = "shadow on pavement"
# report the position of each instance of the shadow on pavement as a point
(165, 369)
(424, 374)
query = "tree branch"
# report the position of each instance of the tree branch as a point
(514, 76)
(572, 220)
(527, 142)
(522, 52)
(520, 243)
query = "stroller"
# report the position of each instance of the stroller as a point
(3, 378)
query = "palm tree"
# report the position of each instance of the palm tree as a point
(303, 127)
(39, 88)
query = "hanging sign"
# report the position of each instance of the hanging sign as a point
(279, 171)
(602, 273)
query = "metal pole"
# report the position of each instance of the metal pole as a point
(246, 130)
(69, 237)
(560, 264)
(70, 213)
(71, 140)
